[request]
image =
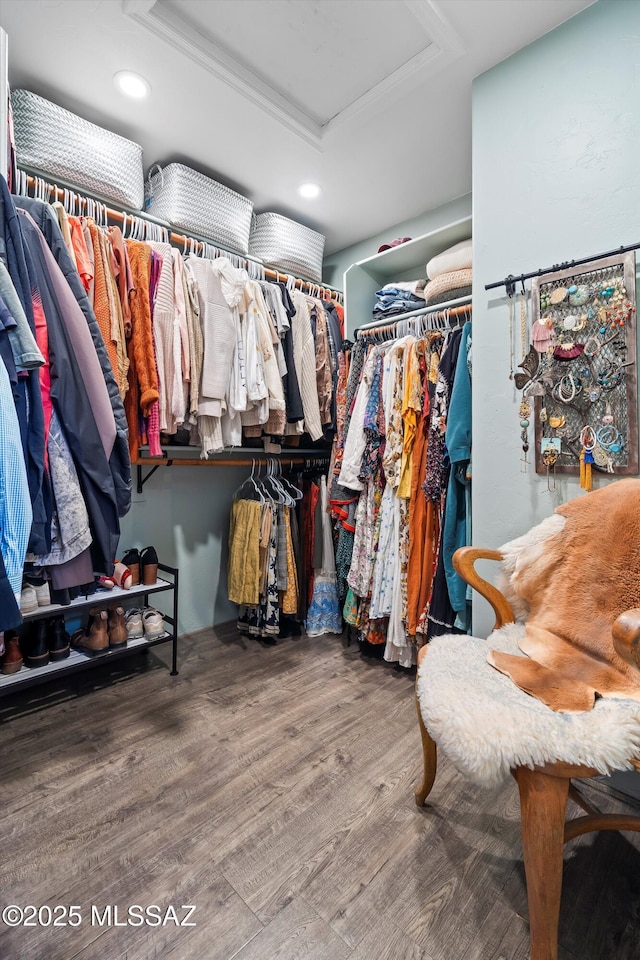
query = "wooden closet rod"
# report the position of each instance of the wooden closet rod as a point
(182, 240)
(306, 460)
(367, 329)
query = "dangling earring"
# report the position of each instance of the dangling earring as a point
(588, 442)
(550, 458)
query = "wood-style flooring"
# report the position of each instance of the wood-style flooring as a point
(272, 787)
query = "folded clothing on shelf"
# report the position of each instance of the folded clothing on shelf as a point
(391, 300)
(416, 287)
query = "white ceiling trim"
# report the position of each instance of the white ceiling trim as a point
(443, 46)
(163, 23)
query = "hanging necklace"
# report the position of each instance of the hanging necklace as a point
(523, 323)
(512, 339)
(524, 411)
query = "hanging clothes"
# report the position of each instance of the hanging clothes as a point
(392, 426)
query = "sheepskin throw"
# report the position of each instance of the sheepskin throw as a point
(571, 577)
(487, 726)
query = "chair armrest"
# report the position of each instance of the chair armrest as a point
(626, 636)
(463, 560)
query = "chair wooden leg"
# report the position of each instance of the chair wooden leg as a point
(543, 801)
(429, 760)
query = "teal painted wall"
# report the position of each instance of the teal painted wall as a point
(335, 265)
(184, 513)
(556, 141)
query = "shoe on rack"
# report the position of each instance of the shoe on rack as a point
(131, 559)
(94, 638)
(62, 596)
(122, 575)
(41, 587)
(11, 660)
(149, 564)
(36, 645)
(59, 639)
(117, 627)
(28, 599)
(153, 623)
(133, 620)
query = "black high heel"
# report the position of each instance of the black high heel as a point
(131, 559)
(149, 564)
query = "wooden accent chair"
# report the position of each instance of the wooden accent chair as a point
(544, 790)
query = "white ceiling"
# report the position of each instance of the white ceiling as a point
(369, 98)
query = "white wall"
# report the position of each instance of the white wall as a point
(556, 142)
(184, 513)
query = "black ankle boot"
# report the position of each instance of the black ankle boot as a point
(59, 639)
(36, 647)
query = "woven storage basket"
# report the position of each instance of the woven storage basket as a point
(57, 143)
(195, 203)
(287, 245)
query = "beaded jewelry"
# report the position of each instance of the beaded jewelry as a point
(568, 393)
(525, 414)
(607, 435)
(592, 346)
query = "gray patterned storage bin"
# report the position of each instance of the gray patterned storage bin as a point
(287, 245)
(197, 204)
(57, 143)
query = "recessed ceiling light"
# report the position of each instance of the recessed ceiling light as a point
(132, 84)
(309, 190)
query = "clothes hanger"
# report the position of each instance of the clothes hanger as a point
(250, 479)
(278, 492)
(293, 490)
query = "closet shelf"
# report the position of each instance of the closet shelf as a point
(231, 457)
(414, 255)
(96, 599)
(407, 261)
(27, 677)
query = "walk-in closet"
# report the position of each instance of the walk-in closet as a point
(319, 480)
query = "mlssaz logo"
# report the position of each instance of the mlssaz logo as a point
(135, 915)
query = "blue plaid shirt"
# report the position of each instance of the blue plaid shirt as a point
(15, 504)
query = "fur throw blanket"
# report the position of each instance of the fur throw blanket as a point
(570, 578)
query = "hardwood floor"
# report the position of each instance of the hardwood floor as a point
(272, 787)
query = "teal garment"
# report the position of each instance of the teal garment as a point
(457, 510)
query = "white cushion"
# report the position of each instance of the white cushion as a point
(457, 257)
(487, 726)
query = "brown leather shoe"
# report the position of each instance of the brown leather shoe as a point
(117, 627)
(94, 638)
(11, 661)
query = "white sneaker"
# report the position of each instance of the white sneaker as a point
(42, 594)
(28, 599)
(133, 620)
(153, 623)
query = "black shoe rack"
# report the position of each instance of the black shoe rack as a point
(166, 583)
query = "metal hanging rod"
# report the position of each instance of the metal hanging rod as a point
(188, 243)
(511, 281)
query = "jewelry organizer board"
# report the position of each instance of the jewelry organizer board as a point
(590, 371)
